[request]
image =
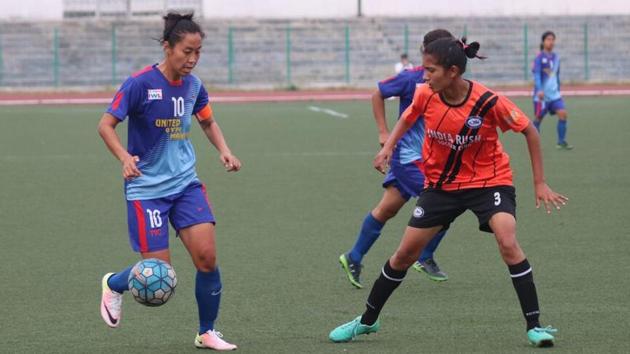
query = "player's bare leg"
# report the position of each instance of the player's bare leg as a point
(504, 227)
(389, 205)
(199, 240)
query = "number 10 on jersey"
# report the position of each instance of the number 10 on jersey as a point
(178, 106)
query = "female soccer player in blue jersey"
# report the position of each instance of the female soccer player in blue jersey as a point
(404, 178)
(158, 165)
(547, 97)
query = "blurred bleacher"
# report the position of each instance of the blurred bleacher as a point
(307, 53)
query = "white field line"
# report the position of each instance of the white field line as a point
(330, 112)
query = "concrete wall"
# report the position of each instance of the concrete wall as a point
(53, 9)
(307, 52)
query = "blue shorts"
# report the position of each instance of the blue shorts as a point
(541, 108)
(407, 178)
(148, 231)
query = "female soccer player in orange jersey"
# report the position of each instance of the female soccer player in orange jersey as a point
(466, 169)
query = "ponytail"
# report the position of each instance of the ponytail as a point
(471, 50)
(176, 25)
(451, 51)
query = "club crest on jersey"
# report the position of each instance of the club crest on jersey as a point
(154, 94)
(418, 212)
(474, 122)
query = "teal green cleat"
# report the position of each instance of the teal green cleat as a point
(347, 332)
(352, 269)
(541, 337)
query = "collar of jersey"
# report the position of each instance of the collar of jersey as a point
(172, 83)
(470, 87)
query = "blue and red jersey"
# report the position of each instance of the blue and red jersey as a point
(546, 71)
(160, 115)
(403, 85)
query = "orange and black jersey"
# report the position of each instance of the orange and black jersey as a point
(461, 147)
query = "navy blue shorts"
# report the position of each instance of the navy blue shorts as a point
(541, 108)
(148, 229)
(407, 178)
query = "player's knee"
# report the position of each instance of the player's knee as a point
(403, 259)
(509, 247)
(384, 212)
(206, 261)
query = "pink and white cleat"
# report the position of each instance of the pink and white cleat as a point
(111, 304)
(213, 340)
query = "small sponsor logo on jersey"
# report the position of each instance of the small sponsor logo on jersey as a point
(544, 60)
(474, 122)
(155, 94)
(418, 212)
(513, 117)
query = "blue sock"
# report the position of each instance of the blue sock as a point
(432, 246)
(208, 293)
(562, 130)
(370, 231)
(537, 124)
(119, 281)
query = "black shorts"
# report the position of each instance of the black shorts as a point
(437, 207)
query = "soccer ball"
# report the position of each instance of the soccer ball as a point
(152, 282)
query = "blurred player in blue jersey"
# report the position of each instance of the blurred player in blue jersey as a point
(404, 179)
(161, 183)
(547, 97)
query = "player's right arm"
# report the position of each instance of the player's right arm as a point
(378, 109)
(107, 131)
(126, 100)
(406, 121)
(538, 77)
(392, 87)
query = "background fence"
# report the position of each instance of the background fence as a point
(307, 53)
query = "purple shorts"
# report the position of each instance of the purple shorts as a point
(148, 229)
(541, 108)
(407, 178)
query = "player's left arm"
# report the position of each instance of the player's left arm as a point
(203, 111)
(509, 117)
(558, 75)
(215, 136)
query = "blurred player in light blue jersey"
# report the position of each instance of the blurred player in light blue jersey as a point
(547, 97)
(158, 165)
(404, 178)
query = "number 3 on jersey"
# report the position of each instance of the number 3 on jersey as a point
(178, 106)
(497, 198)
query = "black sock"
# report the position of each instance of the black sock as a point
(383, 287)
(523, 281)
